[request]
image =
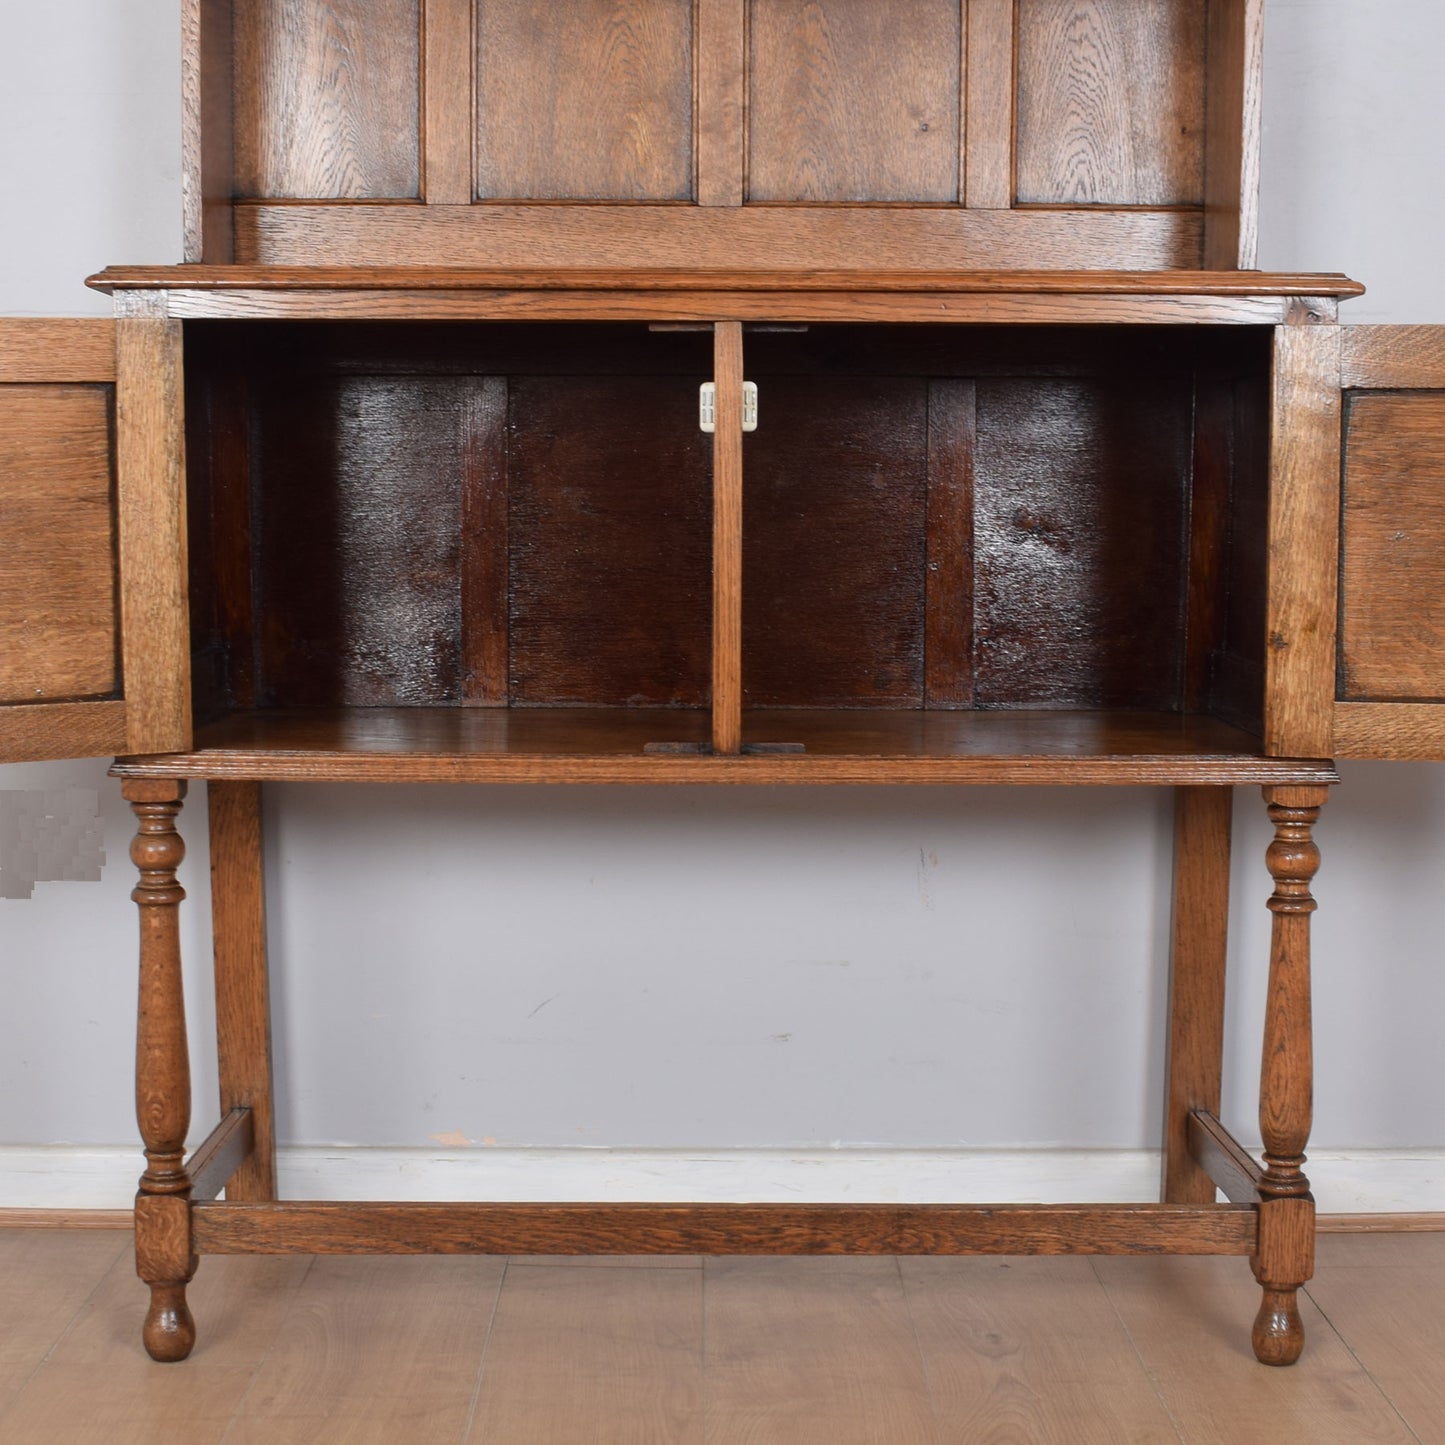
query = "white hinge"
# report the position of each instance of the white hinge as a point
(707, 406)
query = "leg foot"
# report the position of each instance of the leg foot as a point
(1279, 1333)
(170, 1332)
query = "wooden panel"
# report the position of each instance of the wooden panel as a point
(56, 350)
(1399, 730)
(359, 483)
(1111, 102)
(834, 550)
(38, 732)
(150, 488)
(1079, 537)
(1304, 520)
(57, 544)
(485, 567)
(727, 539)
(328, 99)
(447, 133)
(991, 90)
(306, 1227)
(1392, 566)
(720, 99)
(848, 102)
(731, 238)
(611, 521)
(207, 129)
(1233, 126)
(591, 100)
(1407, 357)
(948, 584)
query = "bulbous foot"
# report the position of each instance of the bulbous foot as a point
(169, 1332)
(1279, 1333)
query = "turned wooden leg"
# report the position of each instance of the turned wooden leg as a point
(243, 1015)
(163, 1255)
(1286, 1089)
(1199, 942)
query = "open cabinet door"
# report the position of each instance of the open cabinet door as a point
(1390, 685)
(92, 557)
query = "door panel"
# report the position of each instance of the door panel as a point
(1391, 675)
(62, 689)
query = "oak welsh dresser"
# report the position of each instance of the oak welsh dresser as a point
(402, 477)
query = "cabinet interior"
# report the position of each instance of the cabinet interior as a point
(937, 520)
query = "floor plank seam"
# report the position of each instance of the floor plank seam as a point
(1363, 1368)
(245, 1395)
(466, 1434)
(1174, 1423)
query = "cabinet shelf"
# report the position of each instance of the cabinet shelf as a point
(606, 745)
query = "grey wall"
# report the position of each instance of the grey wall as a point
(766, 968)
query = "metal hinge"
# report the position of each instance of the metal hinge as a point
(707, 406)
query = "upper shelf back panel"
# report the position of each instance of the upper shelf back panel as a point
(1029, 134)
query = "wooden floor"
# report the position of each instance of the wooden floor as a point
(681, 1352)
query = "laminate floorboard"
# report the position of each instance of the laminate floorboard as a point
(409, 1351)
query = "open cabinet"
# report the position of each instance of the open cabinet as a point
(402, 478)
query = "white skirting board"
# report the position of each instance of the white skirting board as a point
(1363, 1181)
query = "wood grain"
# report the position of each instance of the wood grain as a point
(243, 1012)
(150, 486)
(1409, 358)
(1110, 102)
(1398, 730)
(721, 97)
(989, 104)
(486, 546)
(1304, 540)
(1221, 1157)
(610, 521)
(592, 745)
(1233, 130)
(738, 275)
(1390, 1315)
(846, 104)
(447, 105)
(837, 486)
(948, 585)
(330, 1228)
(58, 634)
(207, 129)
(1078, 528)
(1031, 1350)
(813, 1352)
(374, 1350)
(726, 691)
(1199, 932)
(627, 1342)
(593, 103)
(896, 236)
(48, 1275)
(62, 350)
(39, 732)
(1187, 1320)
(328, 99)
(221, 1154)
(1392, 563)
